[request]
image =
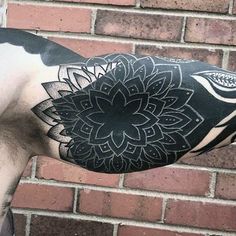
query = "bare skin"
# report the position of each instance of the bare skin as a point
(22, 134)
(18, 143)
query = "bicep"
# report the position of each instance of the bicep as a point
(123, 113)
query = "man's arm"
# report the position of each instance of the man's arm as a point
(114, 113)
(122, 113)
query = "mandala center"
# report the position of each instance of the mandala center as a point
(120, 119)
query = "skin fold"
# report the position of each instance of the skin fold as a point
(114, 113)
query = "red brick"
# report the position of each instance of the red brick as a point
(139, 231)
(202, 215)
(199, 5)
(49, 168)
(19, 224)
(90, 48)
(108, 2)
(232, 61)
(156, 27)
(211, 57)
(226, 186)
(211, 31)
(25, 16)
(171, 180)
(43, 197)
(218, 158)
(52, 226)
(128, 206)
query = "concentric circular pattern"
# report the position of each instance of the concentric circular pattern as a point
(124, 113)
(131, 118)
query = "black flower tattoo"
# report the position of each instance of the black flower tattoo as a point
(118, 118)
(120, 113)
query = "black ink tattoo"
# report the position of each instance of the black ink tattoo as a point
(123, 113)
(221, 85)
(51, 53)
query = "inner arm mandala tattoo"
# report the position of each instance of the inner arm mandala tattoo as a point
(123, 113)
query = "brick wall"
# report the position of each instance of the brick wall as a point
(195, 197)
